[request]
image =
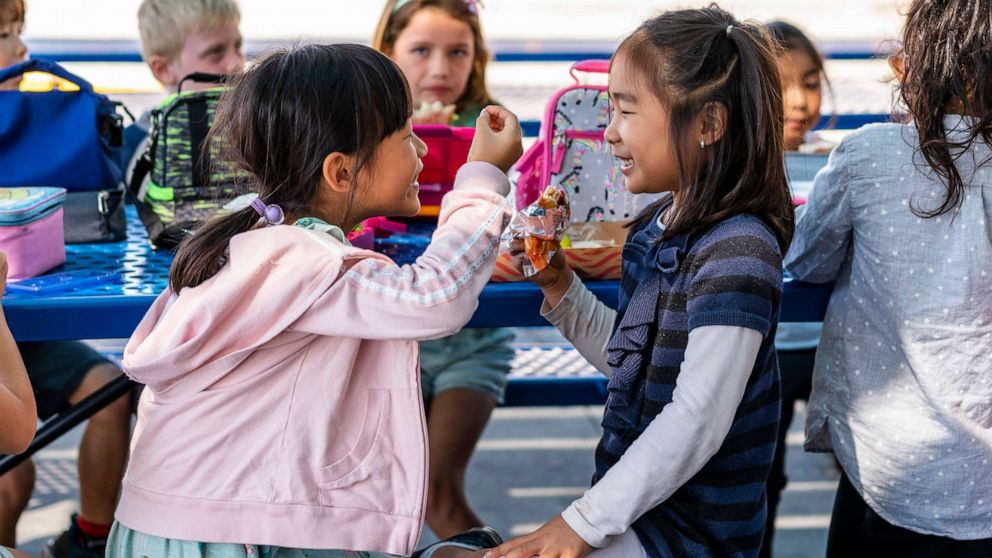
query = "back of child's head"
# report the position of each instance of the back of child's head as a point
(702, 63)
(947, 63)
(11, 11)
(396, 16)
(280, 119)
(164, 25)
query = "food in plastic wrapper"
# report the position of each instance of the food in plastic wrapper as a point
(542, 225)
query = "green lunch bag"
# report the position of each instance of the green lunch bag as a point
(188, 182)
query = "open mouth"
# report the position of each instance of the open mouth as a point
(626, 164)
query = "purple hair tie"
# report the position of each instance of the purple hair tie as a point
(272, 214)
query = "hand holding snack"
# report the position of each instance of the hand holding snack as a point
(434, 113)
(541, 225)
(498, 139)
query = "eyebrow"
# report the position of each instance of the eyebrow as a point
(623, 96)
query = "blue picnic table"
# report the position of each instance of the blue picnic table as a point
(113, 310)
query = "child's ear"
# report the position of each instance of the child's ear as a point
(713, 122)
(162, 70)
(338, 173)
(897, 63)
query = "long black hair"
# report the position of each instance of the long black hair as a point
(691, 59)
(280, 119)
(948, 64)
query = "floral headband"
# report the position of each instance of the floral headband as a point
(473, 5)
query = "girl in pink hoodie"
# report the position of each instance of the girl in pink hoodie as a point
(283, 409)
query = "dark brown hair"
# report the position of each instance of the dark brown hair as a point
(280, 119)
(791, 39)
(948, 62)
(11, 11)
(394, 20)
(690, 61)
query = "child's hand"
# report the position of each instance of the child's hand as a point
(553, 280)
(497, 138)
(555, 539)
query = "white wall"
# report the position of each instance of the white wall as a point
(596, 20)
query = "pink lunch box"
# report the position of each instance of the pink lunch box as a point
(447, 151)
(31, 231)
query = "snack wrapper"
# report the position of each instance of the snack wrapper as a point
(542, 225)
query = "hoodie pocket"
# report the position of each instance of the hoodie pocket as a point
(386, 469)
(337, 473)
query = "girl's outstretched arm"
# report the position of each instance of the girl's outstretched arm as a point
(823, 226)
(436, 295)
(16, 397)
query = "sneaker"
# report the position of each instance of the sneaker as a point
(73, 543)
(473, 539)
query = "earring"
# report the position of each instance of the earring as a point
(702, 143)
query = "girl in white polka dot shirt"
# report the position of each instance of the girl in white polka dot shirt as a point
(899, 218)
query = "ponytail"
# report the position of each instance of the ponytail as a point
(203, 253)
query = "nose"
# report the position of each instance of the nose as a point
(611, 135)
(795, 97)
(234, 62)
(20, 49)
(420, 145)
(439, 64)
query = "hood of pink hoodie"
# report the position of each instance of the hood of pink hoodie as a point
(187, 342)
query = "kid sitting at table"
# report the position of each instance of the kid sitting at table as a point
(181, 37)
(16, 398)
(282, 408)
(64, 373)
(438, 45)
(803, 78)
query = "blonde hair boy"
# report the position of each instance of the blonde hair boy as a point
(180, 37)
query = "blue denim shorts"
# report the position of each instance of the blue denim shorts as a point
(476, 359)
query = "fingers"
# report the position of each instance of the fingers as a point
(516, 548)
(516, 246)
(499, 118)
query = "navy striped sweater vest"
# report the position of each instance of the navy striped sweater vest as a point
(729, 275)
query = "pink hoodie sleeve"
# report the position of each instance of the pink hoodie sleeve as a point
(436, 295)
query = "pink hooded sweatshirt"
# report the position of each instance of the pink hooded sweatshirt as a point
(283, 402)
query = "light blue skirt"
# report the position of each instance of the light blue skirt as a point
(127, 543)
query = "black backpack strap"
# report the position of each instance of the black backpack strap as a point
(199, 126)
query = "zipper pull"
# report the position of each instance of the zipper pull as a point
(101, 202)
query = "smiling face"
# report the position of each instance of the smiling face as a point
(638, 133)
(802, 95)
(436, 52)
(12, 49)
(391, 188)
